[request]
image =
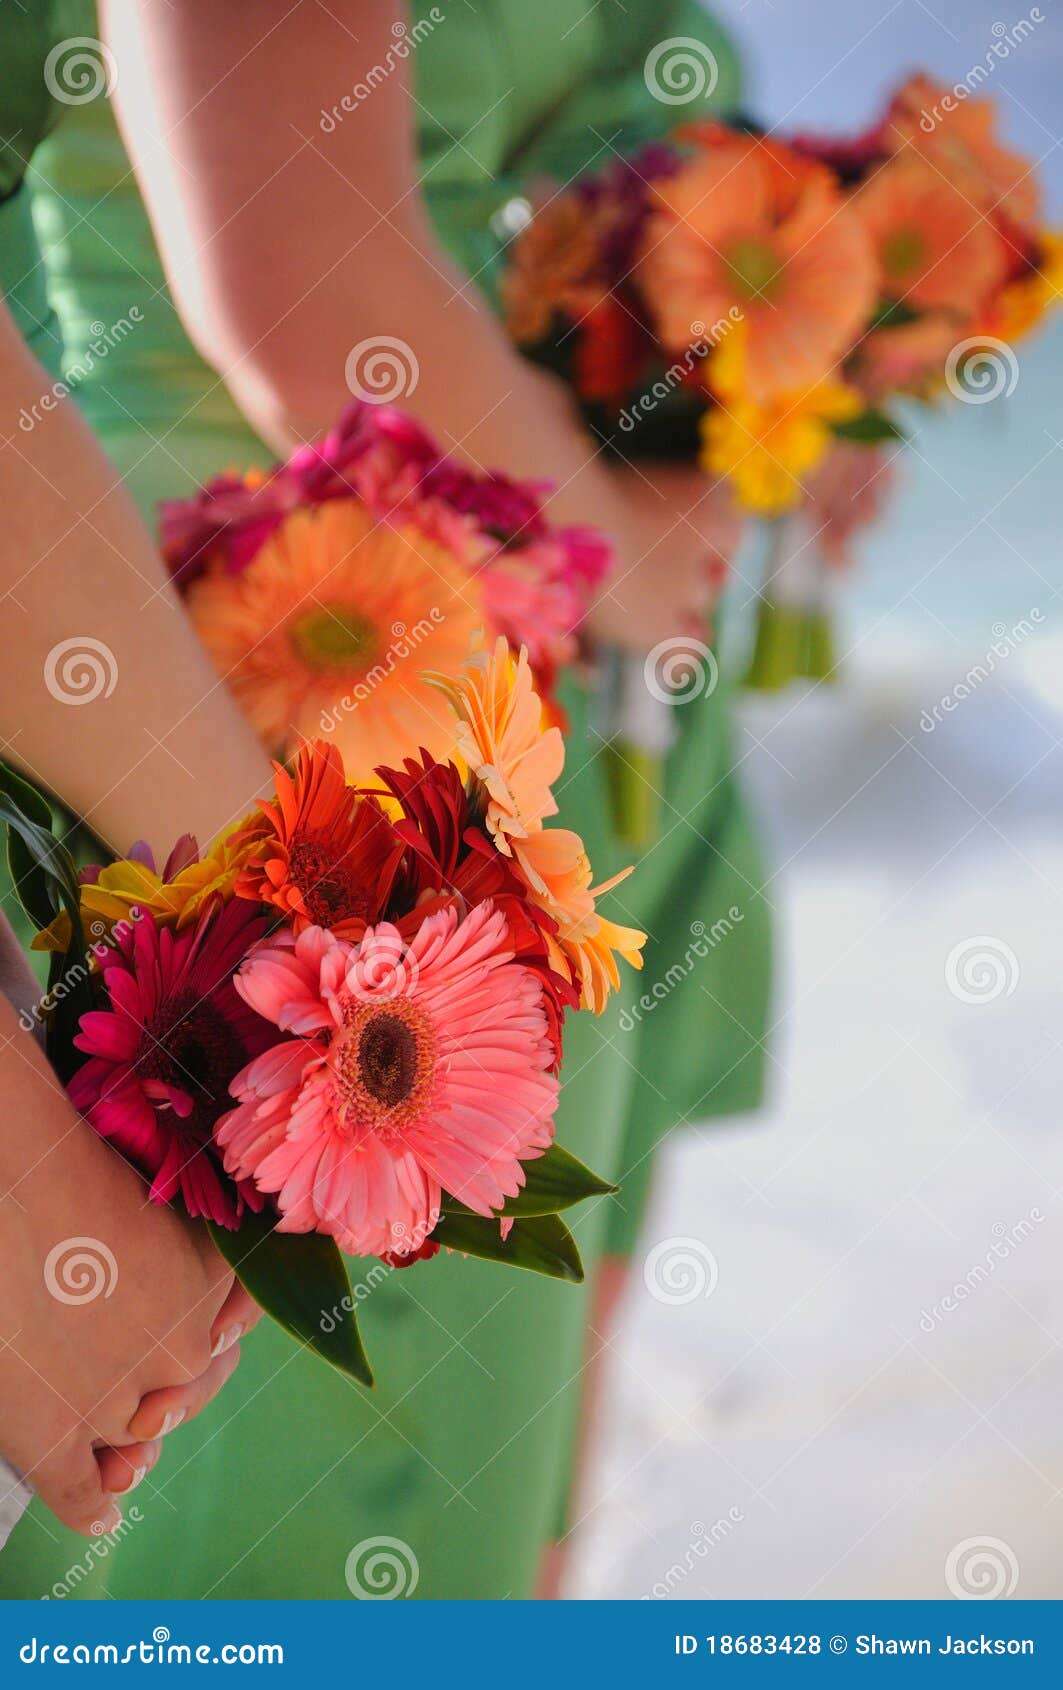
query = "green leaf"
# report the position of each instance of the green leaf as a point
(556, 1180)
(540, 1243)
(42, 869)
(300, 1280)
(892, 314)
(869, 427)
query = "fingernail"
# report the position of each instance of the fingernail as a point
(226, 1340)
(138, 1474)
(172, 1421)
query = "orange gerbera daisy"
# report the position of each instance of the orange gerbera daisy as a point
(735, 231)
(500, 735)
(321, 855)
(934, 248)
(958, 138)
(556, 869)
(329, 628)
(552, 265)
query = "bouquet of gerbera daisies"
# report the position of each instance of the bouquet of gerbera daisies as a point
(340, 1029)
(756, 305)
(327, 588)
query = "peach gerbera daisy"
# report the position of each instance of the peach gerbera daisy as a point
(734, 232)
(556, 869)
(934, 248)
(329, 628)
(958, 139)
(411, 1070)
(321, 854)
(500, 735)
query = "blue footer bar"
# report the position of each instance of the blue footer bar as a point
(440, 1644)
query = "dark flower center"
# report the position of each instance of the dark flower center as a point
(388, 1059)
(193, 1047)
(330, 891)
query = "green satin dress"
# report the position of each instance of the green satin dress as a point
(459, 1459)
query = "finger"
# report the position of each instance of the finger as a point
(163, 1411)
(69, 1483)
(237, 1315)
(122, 1469)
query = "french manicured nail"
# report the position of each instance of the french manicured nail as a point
(138, 1474)
(225, 1340)
(172, 1421)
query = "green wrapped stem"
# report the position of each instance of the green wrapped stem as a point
(634, 779)
(777, 649)
(817, 658)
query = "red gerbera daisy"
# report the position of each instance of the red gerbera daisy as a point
(327, 857)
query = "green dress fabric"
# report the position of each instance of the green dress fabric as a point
(457, 1460)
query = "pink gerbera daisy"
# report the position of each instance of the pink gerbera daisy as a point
(413, 1070)
(161, 1059)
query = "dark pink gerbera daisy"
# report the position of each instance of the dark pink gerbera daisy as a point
(162, 1057)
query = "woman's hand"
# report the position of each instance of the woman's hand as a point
(96, 1361)
(675, 543)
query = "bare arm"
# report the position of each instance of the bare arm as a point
(161, 749)
(286, 246)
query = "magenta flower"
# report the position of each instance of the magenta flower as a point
(162, 1058)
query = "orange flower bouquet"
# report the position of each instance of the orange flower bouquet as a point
(759, 305)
